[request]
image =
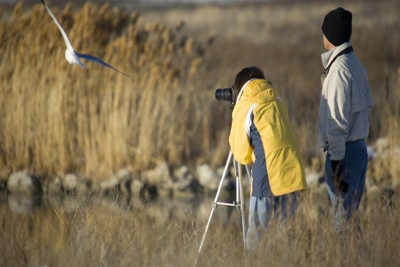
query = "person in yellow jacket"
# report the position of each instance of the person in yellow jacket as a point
(262, 135)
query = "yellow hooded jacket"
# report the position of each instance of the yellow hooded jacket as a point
(261, 133)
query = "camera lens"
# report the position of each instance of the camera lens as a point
(224, 94)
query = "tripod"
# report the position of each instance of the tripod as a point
(239, 203)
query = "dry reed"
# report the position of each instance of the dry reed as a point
(106, 232)
(59, 118)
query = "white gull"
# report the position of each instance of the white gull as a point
(71, 55)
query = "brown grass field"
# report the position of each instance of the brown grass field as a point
(56, 118)
(103, 232)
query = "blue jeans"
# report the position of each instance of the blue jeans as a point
(355, 168)
(263, 209)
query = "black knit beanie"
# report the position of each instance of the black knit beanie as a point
(337, 26)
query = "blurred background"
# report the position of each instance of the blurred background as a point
(59, 118)
(70, 131)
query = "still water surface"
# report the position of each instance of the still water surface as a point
(160, 208)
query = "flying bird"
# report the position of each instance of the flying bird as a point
(71, 55)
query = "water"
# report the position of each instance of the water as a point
(164, 208)
(143, 2)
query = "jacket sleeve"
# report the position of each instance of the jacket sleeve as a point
(339, 111)
(238, 139)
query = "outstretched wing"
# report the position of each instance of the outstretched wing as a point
(67, 42)
(97, 60)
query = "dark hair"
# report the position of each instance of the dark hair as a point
(245, 75)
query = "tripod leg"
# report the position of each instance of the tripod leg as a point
(242, 206)
(215, 202)
(248, 173)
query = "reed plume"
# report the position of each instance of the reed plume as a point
(60, 119)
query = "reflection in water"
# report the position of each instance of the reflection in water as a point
(162, 209)
(65, 230)
(23, 204)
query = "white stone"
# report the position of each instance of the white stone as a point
(207, 177)
(160, 174)
(109, 184)
(183, 173)
(123, 174)
(22, 182)
(54, 186)
(183, 179)
(70, 182)
(381, 145)
(124, 177)
(136, 187)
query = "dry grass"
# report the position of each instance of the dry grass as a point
(104, 232)
(59, 118)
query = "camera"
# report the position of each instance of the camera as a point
(224, 94)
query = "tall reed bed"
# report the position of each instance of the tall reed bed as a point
(59, 118)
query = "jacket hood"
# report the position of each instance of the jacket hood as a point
(258, 91)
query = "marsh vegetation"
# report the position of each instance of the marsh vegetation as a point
(57, 119)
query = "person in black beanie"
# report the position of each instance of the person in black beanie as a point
(343, 118)
(337, 26)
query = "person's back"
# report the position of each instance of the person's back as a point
(261, 133)
(347, 95)
(272, 138)
(343, 117)
(361, 99)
